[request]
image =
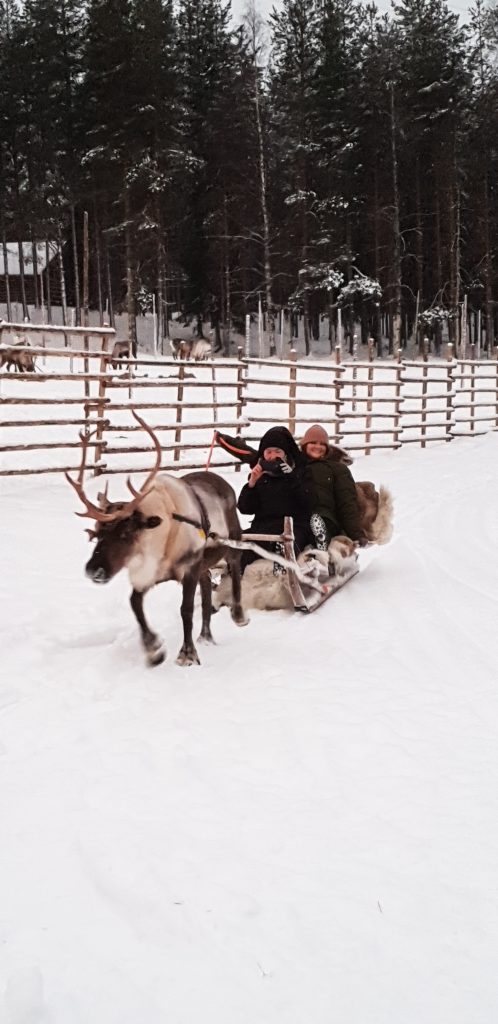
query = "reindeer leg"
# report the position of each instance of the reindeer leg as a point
(205, 584)
(187, 654)
(236, 610)
(154, 647)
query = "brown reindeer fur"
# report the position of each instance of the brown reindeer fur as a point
(376, 511)
(18, 357)
(156, 547)
(121, 350)
(197, 349)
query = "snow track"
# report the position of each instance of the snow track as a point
(301, 830)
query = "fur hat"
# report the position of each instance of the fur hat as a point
(315, 434)
(279, 437)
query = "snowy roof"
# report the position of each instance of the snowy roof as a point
(27, 249)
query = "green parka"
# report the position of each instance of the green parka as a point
(331, 492)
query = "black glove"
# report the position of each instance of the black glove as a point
(275, 467)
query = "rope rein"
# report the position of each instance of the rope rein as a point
(204, 530)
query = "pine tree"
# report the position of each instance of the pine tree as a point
(434, 80)
(212, 69)
(294, 59)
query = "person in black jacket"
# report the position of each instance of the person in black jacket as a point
(275, 490)
(330, 489)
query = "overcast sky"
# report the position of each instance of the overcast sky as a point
(265, 6)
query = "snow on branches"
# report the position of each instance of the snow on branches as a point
(315, 278)
(360, 288)
(436, 316)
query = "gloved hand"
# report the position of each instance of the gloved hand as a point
(275, 467)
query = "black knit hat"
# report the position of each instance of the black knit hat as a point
(280, 437)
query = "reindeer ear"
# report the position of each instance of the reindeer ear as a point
(151, 522)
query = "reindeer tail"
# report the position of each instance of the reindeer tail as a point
(381, 530)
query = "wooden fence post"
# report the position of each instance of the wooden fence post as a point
(240, 391)
(397, 397)
(425, 370)
(99, 437)
(178, 431)
(86, 363)
(472, 369)
(368, 421)
(337, 393)
(215, 393)
(449, 392)
(355, 370)
(292, 391)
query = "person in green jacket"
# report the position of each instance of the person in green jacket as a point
(330, 489)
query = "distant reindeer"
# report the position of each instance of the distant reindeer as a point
(197, 349)
(121, 350)
(16, 356)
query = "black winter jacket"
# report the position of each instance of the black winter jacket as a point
(274, 497)
(331, 492)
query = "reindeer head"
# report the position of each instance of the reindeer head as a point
(118, 523)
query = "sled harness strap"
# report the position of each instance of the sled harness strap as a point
(203, 526)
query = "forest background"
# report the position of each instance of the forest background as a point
(175, 162)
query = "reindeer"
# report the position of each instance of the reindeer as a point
(17, 356)
(170, 529)
(197, 349)
(121, 350)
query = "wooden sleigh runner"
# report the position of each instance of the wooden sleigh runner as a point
(306, 598)
(303, 584)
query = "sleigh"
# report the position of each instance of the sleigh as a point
(315, 575)
(280, 581)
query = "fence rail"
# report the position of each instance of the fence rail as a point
(365, 406)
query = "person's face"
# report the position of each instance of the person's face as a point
(270, 454)
(316, 450)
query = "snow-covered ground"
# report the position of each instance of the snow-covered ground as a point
(303, 830)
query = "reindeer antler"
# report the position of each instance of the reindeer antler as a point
(146, 488)
(92, 510)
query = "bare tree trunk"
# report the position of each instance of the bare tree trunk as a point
(85, 269)
(437, 237)
(419, 234)
(109, 285)
(22, 276)
(98, 260)
(160, 294)
(34, 257)
(62, 276)
(227, 313)
(6, 273)
(130, 279)
(255, 25)
(455, 246)
(488, 267)
(77, 301)
(396, 309)
(47, 278)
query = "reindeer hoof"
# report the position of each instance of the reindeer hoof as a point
(155, 651)
(239, 617)
(188, 657)
(156, 657)
(206, 638)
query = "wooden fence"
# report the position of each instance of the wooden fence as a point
(365, 406)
